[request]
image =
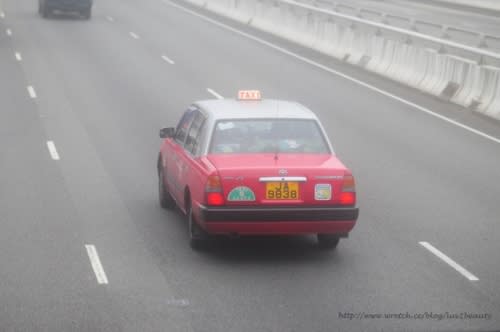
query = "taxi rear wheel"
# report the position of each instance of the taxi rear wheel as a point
(166, 200)
(328, 241)
(198, 238)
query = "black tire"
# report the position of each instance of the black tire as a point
(87, 13)
(328, 241)
(198, 238)
(166, 200)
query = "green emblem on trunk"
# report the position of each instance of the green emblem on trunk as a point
(241, 194)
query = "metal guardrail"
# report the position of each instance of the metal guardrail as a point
(482, 40)
(407, 33)
(493, 5)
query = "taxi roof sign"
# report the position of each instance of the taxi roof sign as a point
(249, 95)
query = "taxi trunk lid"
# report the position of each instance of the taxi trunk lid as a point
(280, 179)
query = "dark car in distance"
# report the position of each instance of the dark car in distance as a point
(83, 7)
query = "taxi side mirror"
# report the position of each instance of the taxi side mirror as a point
(167, 132)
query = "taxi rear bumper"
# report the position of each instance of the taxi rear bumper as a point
(278, 220)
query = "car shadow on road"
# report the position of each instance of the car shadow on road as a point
(267, 249)
(262, 250)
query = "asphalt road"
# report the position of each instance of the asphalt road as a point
(101, 89)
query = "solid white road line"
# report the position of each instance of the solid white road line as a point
(335, 72)
(52, 150)
(449, 261)
(133, 35)
(215, 94)
(18, 56)
(109, 18)
(9, 32)
(31, 91)
(166, 58)
(96, 264)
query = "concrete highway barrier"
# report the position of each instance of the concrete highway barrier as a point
(420, 61)
(489, 101)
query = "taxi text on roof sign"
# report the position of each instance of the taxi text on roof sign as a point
(249, 95)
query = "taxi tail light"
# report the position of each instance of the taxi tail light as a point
(213, 191)
(348, 194)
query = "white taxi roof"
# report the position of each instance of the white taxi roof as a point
(218, 109)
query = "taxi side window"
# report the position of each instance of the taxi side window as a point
(192, 140)
(183, 126)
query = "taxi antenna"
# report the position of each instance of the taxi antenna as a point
(278, 119)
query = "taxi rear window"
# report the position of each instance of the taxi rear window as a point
(267, 136)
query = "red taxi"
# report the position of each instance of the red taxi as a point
(252, 166)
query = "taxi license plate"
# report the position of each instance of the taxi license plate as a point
(282, 190)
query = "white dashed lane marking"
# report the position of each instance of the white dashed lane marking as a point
(31, 91)
(449, 261)
(52, 150)
(167, 59)
(96, 264)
